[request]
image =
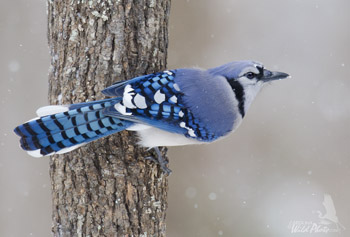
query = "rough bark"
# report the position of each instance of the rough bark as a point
(105, 188)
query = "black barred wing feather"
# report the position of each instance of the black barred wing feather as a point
(156, 100)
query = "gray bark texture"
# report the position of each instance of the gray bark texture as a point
(106, 188)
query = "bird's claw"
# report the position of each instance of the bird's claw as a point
(160, 160)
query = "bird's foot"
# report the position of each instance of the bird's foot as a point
(160, 160)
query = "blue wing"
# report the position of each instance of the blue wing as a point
(156, 100)
(117, 88)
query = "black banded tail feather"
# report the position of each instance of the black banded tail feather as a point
(65, 131)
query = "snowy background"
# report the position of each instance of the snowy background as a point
(271, 176)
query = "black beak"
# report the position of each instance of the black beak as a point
(271, 76)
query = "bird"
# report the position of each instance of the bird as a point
(168, 108)
(330, 216)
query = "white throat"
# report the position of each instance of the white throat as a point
(250, 92)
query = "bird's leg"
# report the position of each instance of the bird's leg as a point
(160, 160)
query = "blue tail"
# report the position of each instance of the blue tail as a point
(66, 131)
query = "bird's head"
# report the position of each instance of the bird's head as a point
(247, 73)
(246, 79)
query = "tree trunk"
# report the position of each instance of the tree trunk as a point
(105, 188)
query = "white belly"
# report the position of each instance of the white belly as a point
(153, 137)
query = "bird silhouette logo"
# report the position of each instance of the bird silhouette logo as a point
(330, 216)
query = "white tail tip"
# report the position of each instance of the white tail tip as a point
(51, 109)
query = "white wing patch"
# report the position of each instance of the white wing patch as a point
(159, 97)
(176, 87)
(140, 101)
(190, 130)
(173, 99)
(128, 95)
(131, 100)
(181, 114)
(121, 109)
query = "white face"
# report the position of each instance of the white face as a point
(249, 80)
(250, 75)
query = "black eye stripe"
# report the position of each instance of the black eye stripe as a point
(251, 75)
(261, 72)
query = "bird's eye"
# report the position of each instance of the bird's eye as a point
(250, 75)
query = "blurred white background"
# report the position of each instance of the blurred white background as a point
(291, 150)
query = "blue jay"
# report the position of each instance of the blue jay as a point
(169, 108)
